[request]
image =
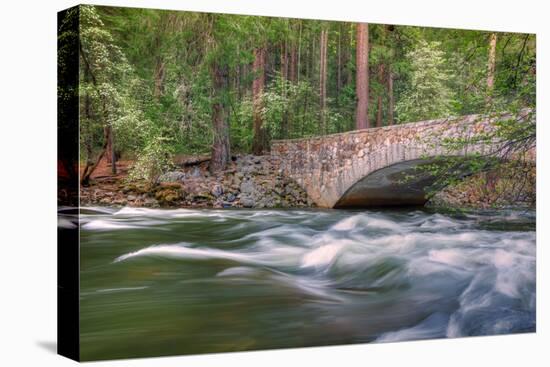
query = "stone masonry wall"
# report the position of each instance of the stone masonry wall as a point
(327, 166)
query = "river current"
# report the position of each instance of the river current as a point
(164, 282)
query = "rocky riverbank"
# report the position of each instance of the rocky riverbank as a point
(248, 182)
(509, 186)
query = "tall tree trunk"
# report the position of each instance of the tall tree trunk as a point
(323, 78)
(339, 66)
(491, 67)
(110, 144)
(109, 154)
(292, 63)
(390, 96)
(299, 52)
(347, 44)
(285, 76)
(308, 57)
(220, 148)
(388, 36)
(237, 73)
(379, 101)
(239, 81)
(159, 78)
(312, 59)
(160, 66)
(284, 60)
(88, 136)
(112, 151)
(88, 139)
(362, 77)
(258, 69)
(89, 170)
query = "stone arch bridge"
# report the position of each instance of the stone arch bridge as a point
(367, 167)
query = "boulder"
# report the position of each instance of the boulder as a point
(248, 187)
(168, 196)
(247, 202)
(217, 190)
(173, 176)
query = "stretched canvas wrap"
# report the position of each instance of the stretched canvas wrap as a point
(232, 183)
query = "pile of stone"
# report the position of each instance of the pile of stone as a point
(248, 182)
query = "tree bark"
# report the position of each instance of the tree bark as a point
(284, 60)
(258, 69)
(285, 76)
(347, 44)
(339, 66)
(491, 67)
(323, 78)
(390, 96)
(292, 63)
(110, 155)
(88, 171)
(88, 113)
(112, 151)
(299, 52)
(362, 77)
(160, 66)
(220, 147)
(159, 79)
(379, 100)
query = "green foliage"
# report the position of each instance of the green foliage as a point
(106, 81)
(147, 74)
(108, 86)
(155, 159)
(428, 96)
(283, 100)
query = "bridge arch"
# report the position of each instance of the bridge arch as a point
(400, 184)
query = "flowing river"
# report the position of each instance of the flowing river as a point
(163, 282)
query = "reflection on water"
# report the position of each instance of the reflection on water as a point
(161, 282)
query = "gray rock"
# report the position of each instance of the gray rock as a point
(230, 198)
(150, 202)
(277, 191)
(247, 202)
(247, 169)
(196, 172)
(266, 202)
(248, 187)
(217, 190)
(173, 176)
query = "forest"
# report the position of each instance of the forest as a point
(155, 84)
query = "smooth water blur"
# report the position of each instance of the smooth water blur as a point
(161, 282)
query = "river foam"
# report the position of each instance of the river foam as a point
(433, 275)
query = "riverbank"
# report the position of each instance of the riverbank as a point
(257, 182)
(508, 186)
